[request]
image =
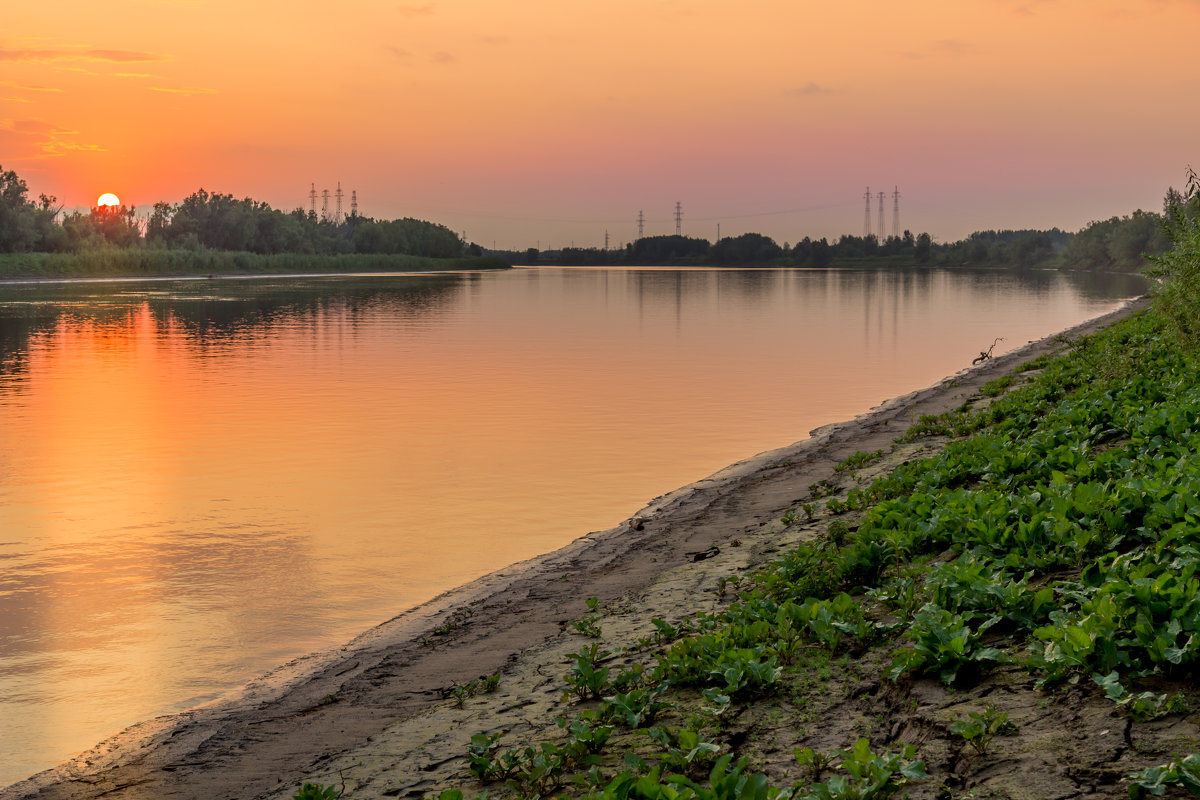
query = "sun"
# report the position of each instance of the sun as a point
(108, 199)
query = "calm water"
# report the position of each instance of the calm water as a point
(202, 479)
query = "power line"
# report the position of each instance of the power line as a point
(618, 220)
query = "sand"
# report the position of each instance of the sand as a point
(375, 715)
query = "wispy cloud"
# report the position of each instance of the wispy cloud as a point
(35, 140)
(134, 75)
(26, 88)
(494, 40)
(949, 48)
(399, 52)
(79, 54)
(423, 10)
(1025, 8)
(442, 57)
(182, 90)
(811, 88)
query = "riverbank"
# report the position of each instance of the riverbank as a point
(146, 262)
(385, 701)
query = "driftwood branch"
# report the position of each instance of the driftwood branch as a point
(984, 355)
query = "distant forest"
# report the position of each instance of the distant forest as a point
(220, 223)
(1119, 243)
(216, 222)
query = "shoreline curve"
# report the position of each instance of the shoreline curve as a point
(281, 727)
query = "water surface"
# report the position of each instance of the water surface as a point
(202, 479)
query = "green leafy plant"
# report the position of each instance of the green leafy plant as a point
(587, 679)
(1154, 781)
(461, 693)
(944, 642)
(637, 708)
(868, 775)
(814, 761)
(317, 791)
(1142, 707)
(858, 460)
(981, 727)
(665, 632)
(587, 624)
(686, 750)
(996, 388)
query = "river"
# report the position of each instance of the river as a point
(201, 479)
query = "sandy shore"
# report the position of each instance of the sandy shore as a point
(374, 714)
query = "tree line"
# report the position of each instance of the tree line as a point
(220, 222)
(1119, 243)
(211, 222)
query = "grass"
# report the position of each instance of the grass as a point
(152, 262)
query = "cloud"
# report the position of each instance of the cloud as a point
(182, 90)
(1024, 8)
(415, 11)
(30, 126)
(134, 75)
(810, 88)
(25, 88)
(71, 54)
(494, 40)
(399, 52)
(442, 57)
(950, 48)
(36, 139)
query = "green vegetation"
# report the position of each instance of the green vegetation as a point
(146, 261)
(1184, 773)
(1058, 532)
(981, 727)
(211, 234)
(1119, 243)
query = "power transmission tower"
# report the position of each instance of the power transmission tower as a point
(678, 218)
(882, 235)
(867, 214)
(325, 205)
(312, 198)
(641, 224)
(896, 212)
(606, 240)
(354, 203)
(337, 215)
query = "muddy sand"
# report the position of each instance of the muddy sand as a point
(377, 716)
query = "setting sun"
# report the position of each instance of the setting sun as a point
(108, 199)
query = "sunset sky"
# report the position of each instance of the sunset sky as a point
(548, 122)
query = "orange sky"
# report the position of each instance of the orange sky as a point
(550, 121)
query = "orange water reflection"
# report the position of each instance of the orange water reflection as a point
(200, 481)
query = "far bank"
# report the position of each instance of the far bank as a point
(152, 262)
